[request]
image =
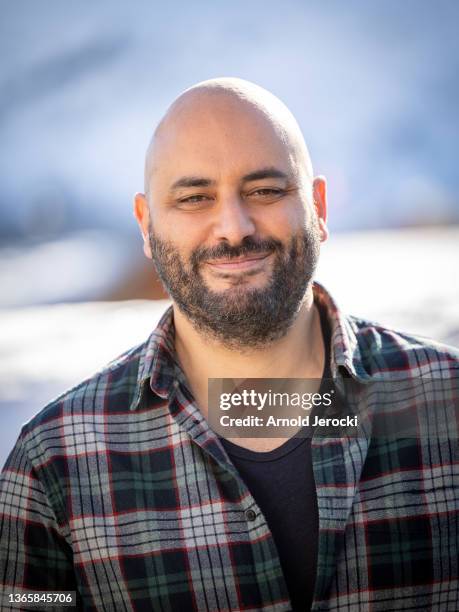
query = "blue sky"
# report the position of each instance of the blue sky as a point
(373, 85)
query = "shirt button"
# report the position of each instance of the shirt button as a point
(250, 515)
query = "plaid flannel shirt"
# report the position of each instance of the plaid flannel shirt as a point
(119, 490)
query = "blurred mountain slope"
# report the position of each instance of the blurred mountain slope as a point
(373, 85)
(404, 279)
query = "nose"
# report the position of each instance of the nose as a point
(233, 221)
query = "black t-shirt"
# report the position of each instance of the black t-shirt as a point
(282, 483)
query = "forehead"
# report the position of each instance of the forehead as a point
(219, 138)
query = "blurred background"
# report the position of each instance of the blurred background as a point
(82, 85)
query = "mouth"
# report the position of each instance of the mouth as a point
(238, 264)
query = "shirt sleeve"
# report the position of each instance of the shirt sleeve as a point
(34, 554)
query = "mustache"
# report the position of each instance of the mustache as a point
(224, 250)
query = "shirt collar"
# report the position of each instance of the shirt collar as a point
(158, 363)
(346, 351)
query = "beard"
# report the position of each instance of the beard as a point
(241, 317)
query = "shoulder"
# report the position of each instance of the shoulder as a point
(110, 390)
(383, 349)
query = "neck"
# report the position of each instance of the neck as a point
(299, 354)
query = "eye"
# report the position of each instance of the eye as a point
(266, 193)
(194, 199)
(197, 201)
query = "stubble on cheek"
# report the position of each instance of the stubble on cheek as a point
(240, 315)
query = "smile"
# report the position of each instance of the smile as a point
(238, 264)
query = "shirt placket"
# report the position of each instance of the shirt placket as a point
(247, 523)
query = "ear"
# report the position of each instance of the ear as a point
(319, 190)
(142, 214)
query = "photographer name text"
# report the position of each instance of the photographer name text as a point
(303, 421)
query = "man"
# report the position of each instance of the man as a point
(120, 489)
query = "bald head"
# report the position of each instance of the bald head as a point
(228, 177)
(223, 108)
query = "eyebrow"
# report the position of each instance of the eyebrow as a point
(264, 173)
(192, 181)
(257, 175)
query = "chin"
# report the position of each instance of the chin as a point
(245, 282)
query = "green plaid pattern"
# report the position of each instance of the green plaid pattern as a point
(120, 491)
